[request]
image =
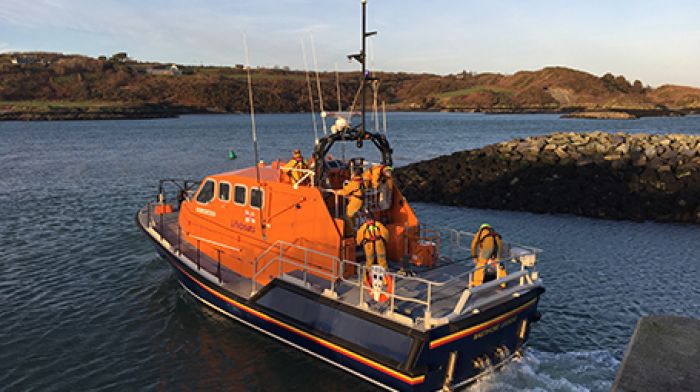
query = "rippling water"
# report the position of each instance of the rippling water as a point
(86, 304)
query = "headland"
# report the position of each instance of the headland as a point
(121, 87)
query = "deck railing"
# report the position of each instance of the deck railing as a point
(455, 245)
(192, 251)
(306, 176)
(278, 255)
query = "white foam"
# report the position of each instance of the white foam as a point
(541, 371)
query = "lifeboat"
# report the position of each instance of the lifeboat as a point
(272, 247)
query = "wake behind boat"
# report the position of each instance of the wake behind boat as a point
(330, 258)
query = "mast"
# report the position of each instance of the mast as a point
(362, 59)
(363, 55)
(357, 133)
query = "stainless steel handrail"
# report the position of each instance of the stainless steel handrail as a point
(307, 174)
(334, 276)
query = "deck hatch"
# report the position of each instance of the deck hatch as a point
(314, 315)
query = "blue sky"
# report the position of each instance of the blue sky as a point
(657, 42)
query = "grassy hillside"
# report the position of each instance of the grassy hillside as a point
(51, 81)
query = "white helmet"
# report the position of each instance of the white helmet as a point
(340, 124)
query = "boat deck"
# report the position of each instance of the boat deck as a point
(229, 279)
(448, 282)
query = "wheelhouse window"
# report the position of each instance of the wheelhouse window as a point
(206, 192)
(239, 194)
(256, 198)
(224, 191)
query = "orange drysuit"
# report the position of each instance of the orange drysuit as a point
(297, 162)
(354, 192)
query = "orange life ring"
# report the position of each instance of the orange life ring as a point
(387, 288)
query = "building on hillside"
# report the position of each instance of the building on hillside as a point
(121, 57)
(172, 70)
(25, 59)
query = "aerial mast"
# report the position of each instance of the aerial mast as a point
(364, 62)
(252, 109)
(362, 59)
(359, 132)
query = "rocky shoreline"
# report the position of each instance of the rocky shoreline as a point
(601, 115)
(613, 176)
(148, 111)
(158, 111)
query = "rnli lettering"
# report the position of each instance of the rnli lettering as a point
(242, 226)
(494, 328)
(204, 211)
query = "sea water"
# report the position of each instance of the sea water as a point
(85, 303)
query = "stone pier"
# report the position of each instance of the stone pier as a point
(663, 355)
(598, 174)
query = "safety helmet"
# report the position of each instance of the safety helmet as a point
(386, 170)
(484, 225)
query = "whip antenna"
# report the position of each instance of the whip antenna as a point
(318, 84)
(340, 106)
(337, 88)
(311, 95)
(375, 105)
(252, 108)
(384, 115)
(254, 132)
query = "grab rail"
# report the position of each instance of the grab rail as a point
(181, 247)
(426, 299)
(307, 176)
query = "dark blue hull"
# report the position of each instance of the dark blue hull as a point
(422, 366)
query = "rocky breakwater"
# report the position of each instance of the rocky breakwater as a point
(597, 174)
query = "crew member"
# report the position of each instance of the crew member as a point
(295, 165)
(181, 197)
(486, 250)
(373, 235)
(354, 190)
(377, 175)
(379, 178)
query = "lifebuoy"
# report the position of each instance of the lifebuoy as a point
(379, 284)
